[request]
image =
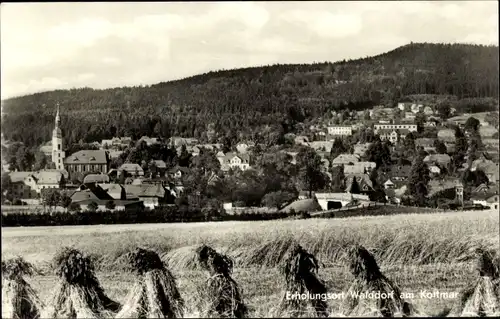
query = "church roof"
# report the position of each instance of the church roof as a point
(87, 157)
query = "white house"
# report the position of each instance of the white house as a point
(233, 160)
(340, 130)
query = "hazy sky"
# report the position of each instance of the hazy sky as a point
(46, 46)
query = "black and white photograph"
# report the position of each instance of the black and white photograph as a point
(250, 159)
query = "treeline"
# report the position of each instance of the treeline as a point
(244, 102)
(160, 215)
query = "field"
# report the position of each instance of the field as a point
(419, 252)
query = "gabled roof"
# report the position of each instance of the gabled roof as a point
(16, 177)
(245, 158)
(131, 167)
(439, 158)
(48, 177)
(362, 179)
(160, 163)
(114, 190)
(88, 157)
(96, 178)
(345, 159)
(146, 190)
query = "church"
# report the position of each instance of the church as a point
(82, 161)
(53, 150)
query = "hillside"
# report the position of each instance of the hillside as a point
(256, 102)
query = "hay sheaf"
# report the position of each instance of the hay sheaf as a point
(371, 293)
(184, 258)
(482, 298)
(221, 295)
(299, 269)
(266, 255)
(20, 301)
(154, 293)
(78, 293)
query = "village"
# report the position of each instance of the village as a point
(105, 185)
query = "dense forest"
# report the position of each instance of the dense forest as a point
(253, 102)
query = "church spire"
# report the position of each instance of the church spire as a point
(58, 118)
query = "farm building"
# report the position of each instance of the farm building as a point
(329, 201)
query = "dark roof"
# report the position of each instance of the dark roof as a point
(88, 157)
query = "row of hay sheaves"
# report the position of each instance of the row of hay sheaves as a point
(155, 294)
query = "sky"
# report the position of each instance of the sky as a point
(47, 46)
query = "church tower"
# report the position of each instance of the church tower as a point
(57, 152)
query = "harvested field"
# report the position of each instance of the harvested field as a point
(418, 252)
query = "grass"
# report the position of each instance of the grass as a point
(421, 251)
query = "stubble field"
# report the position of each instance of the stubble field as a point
(424, 252)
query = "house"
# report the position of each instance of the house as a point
(396, 126)
(28, 185)
(363, 181)
(96, 178)
(178, 172)
(360, 149)
(399, 172)
(359, 168)
(114, 154)
(132, 169)
(442, 160)
(402, 106)
(303, 195)
(488, 199)
(116, 143)
(329, 201)
(436, 185)
(338, 130)
(233, 160)
(116, 191)
(151, 195)
(161, 167)
(345, 159)
(149, 140)
(96, 161)
(177, 141)
(490, 168)
(92, 192)
(393, 136)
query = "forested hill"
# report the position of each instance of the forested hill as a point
(255, 101)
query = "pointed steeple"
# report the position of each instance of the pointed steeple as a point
(58, 118)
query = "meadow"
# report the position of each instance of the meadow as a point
(419, 252)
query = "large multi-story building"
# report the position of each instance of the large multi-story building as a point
(396, 126)
(340, 130)
(94, 161)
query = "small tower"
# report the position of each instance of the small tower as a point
(459, 191)
(57, 143)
